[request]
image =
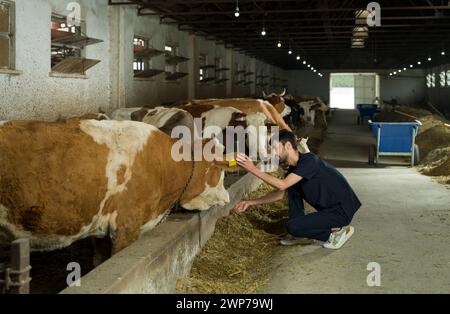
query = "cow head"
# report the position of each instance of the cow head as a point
(206, 188)
(276, 100)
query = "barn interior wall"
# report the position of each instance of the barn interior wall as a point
(308, 83)
(35, 94)
(408, 88)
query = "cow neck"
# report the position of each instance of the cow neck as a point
(177, 204)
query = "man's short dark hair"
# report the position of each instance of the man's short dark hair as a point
(286, 136)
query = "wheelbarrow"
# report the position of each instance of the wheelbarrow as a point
(395, 139)
(366, 111)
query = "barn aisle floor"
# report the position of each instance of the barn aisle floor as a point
(404, 226)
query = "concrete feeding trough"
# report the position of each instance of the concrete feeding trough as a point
(154, 263)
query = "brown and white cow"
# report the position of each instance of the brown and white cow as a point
(163, 118)
(77, 179)
(249, 106)
(216, 119)
(315, 110)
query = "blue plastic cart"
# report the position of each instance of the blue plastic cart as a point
(395, 139)
(366, 111)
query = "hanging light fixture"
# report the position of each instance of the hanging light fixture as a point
(304, 62)
(429, 58)
(419, 63)
(290, 52)
(237, 13)
(298, 57)
(263, 32)
(279, 44)
(443, 53)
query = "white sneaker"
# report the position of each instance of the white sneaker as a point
(290, 240)
(338, 239)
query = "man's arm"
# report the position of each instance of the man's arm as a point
(280, 184)
(268, 199)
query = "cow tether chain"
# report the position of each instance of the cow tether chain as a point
(176, 204)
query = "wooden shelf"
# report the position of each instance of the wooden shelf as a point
(175, 76)
(240, 72)
(209, 79)
(222, 69)
(74, 65)
(174, 60)
(207, 67)
(147, 52)
(71, 40)
(249, 73)
(248, 83)
(221, 81)
(240, 82)
(148, 73)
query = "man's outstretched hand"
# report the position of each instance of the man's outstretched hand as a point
(241, 207)
(246, 163)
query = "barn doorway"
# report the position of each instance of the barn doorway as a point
(349, 89)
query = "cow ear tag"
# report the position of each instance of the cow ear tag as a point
(232, 163)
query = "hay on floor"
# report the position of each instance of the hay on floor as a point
(236, 258)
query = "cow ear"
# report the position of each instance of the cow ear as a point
(283, 93)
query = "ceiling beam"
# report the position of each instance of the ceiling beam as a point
(296, 11)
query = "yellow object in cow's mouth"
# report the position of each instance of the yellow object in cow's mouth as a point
(232, 163)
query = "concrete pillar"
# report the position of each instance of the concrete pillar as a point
(229, 61)
(192, 66)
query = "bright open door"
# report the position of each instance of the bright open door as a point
(347, 90)
(342, 91)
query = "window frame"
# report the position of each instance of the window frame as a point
(442, 78)
(202, 72)
(10, 35)
(144, 62)
(174, 52)
(69, 51)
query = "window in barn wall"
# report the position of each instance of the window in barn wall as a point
(139, 63)
(443, 79)
(202, 63)
(6, 35)
(448, 78)
(431, 80)
(68, 47)
(171, 50)
(143, 58)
